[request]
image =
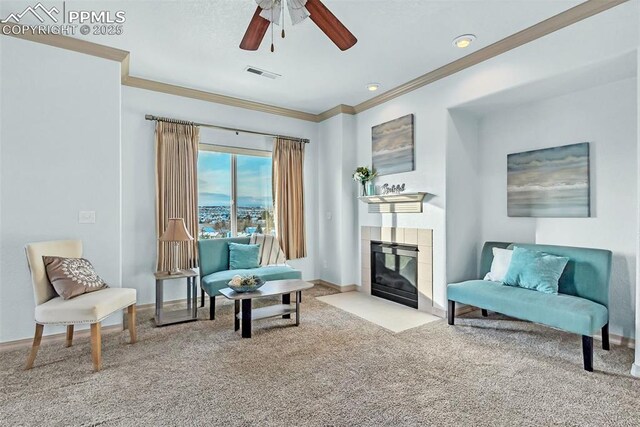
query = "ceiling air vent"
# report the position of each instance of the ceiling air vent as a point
(263, 73)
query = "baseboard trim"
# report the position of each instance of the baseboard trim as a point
(635, 370)
(26, 342)
(53, 338)
(618, 340)
(341, 288)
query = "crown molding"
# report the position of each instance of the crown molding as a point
(541, 29)
(338, 109)
(70, 43)
(201, 95)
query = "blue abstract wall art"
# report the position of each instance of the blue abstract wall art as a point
(552, 182)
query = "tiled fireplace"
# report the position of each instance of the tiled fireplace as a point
(398, 245)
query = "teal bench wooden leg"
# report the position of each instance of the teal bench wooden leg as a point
(587, 352)
(451, 312)
(605, 337)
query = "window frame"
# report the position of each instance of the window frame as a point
(234, 152)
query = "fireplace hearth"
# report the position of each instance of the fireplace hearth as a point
(394, 272)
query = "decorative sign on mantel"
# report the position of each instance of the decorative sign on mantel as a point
(393, 189)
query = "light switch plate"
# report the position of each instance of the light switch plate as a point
(87, 217)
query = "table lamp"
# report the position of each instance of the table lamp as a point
(176, 232)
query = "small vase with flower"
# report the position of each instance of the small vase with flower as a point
(363, 175)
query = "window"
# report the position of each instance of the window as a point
(234, 192)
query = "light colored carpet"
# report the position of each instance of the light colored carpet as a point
(390, 315)
(335, 369)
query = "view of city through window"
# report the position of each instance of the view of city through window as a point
(251, 212)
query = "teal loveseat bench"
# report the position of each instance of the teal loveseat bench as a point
(215, 273)
(581, 306)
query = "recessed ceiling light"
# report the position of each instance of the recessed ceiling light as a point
(372, 87)
(463, 40)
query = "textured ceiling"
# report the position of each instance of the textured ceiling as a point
(195, 44)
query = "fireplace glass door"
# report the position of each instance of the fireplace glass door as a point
(394, 273)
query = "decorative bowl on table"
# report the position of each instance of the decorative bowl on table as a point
(245, 283)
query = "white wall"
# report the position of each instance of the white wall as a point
(614, 32)
(605, 116)
(86, 90)
(60, 142)
(61, 153)
(463, 197)
(329, 200)
(635, 369)
(338, 238)
(138, 174)
(349, 230)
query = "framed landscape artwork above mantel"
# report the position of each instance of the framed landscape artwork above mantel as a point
(392, 146)
(551, 183)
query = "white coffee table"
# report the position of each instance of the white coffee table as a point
(271, 288)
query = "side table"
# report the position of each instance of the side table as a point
(176, 316)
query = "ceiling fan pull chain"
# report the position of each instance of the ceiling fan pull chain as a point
(283, 8)
(272, 24)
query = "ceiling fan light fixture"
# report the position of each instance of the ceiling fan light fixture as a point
(372, 87)
(464, 40)
(270, 12)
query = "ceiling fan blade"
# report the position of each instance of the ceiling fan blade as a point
(330, 25)
(255, 31)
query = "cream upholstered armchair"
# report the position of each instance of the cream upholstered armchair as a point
(89, 308)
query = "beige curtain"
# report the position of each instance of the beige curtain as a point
(288, 196)
(177, 188)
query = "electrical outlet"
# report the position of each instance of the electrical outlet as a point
(325, 264)
(87, 217)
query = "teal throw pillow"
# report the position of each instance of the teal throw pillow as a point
(535, 270)
(243, 256)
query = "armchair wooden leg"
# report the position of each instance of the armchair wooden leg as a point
(212, 308)
(69, 341)
(133, 334)
(96, 346)
(37, 337)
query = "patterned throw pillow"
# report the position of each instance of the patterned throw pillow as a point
(270, 252)
(71, 277)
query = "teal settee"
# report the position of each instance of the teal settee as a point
(215, 273)
(581, 306)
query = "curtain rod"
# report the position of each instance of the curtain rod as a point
(185, 122)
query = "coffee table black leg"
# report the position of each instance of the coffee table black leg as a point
(286, 299)
(246, 318)
(298, 300)
(236, 311)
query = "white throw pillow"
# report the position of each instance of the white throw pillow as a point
(500, 265)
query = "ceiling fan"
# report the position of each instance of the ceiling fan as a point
(269, 12)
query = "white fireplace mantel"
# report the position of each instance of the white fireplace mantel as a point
(395, 203)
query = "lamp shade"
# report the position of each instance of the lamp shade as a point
(176, 231)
